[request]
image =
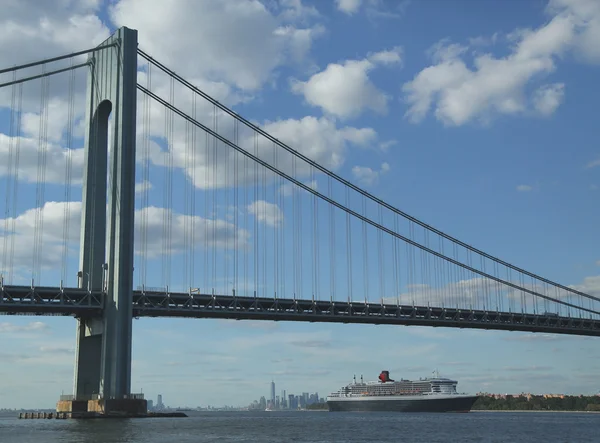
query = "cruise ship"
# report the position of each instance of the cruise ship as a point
(433, 394)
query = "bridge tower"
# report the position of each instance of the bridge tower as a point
(103, 352)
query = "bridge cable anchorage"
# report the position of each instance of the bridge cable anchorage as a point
(349, 184)
(353, 212)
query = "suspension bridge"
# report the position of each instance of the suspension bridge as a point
(248, 226)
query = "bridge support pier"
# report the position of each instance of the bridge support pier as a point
(103, 354)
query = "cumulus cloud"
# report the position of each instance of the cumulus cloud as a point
(32, 30)
(367, 176)
(593, 163)
(524, 188)
(345, 89)
(142, 187)
(255, 44)
(547, 98)
(287, 189)
(459, 94)
(373, 8)
(30, 156)
(36, 326)
(265, 212)
(348, 6)
(480, 292)
(206, 232)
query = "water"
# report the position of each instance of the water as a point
(307, 427)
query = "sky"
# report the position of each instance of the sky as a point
(478, 118)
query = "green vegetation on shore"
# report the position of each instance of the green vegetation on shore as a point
(538, 403)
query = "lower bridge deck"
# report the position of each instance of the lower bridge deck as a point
(82, 303)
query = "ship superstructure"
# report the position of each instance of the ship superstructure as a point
(433, 394)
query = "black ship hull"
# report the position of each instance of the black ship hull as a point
(430, 404)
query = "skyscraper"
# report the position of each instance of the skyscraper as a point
(272, 393)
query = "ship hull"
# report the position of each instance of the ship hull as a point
(453, 403)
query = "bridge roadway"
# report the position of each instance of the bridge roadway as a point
(82, 303)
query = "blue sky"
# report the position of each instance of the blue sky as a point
(475, 117)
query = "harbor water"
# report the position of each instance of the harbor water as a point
(496, 427)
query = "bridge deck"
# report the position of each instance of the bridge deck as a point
(79, 302)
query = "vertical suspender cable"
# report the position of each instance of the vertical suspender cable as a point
(145, 206)
(41, 178)
(194, 194)
(16, 185)
(9, 176)
(68, 175)
(255, 202)
(349, 247)
(226, 153)
(278, 222)
(207, 217)
(246, 224)
(187, 170)
(214, 187)
(332, 251)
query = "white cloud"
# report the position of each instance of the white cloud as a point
(142, 187)
(345, 90)
(32, 30)
(593, 163)
(387, 57)
(367, 176)
(384, 146)
(524, 188)
(268, 213)
(585, 16)
(287, 189)
(348, 6)
(590, 285)
(547, 98)
(373, 8)
(55, 158)
(36, 326)
(459, 94)
(207, 232)
(246, 55)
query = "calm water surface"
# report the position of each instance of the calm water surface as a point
(312, 427)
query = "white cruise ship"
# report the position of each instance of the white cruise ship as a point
(424, 395)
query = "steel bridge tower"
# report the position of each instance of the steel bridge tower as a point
(103, 352)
